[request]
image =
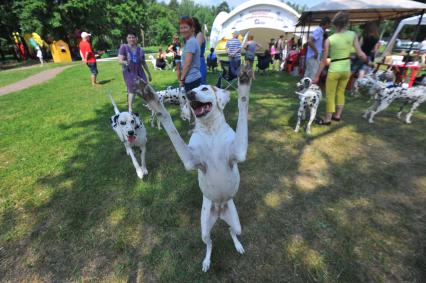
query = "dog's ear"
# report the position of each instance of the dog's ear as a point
(307, 82)
(222, 97)
(136, 114)
(115, 119)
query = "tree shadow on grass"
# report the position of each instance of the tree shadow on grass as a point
(333, 206)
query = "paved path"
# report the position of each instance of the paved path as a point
(32, 80)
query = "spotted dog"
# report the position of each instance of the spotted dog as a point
(174, 96)
(371, 83)
(413, 96)
(214, 149)
(309, 97)
(132, 133)
(153, 62)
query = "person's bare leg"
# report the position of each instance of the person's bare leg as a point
(327, 117)
(339, 110)
(93, 79)
(130, 97)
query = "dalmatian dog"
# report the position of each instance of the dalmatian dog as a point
(309, 97)
(131, 132)
(372, 82)
(174, 96)
(153, 62)
(413, 96)
(214, 150)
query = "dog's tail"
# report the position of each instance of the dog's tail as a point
(113, 103)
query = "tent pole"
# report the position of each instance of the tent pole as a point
(307, 37)
(391, 42)
(414, 37)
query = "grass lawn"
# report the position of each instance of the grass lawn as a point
(346, 204)
(14, 75)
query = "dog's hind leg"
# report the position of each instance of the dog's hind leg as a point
(229, 214)
(413, 108)
(401, 110)
(209, 216)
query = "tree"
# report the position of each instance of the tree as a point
(223, 7)
(107, 20)
(174, 5)
(297, 7)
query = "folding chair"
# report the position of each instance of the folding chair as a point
(211, 62)
(227, 76)
(263, 62)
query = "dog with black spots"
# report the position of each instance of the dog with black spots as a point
(309, 96)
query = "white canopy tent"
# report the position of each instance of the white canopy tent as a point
(264, 20)
(361, 11)
(413, 21)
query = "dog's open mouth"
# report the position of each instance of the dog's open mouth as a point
(201, 109)
(131, 139)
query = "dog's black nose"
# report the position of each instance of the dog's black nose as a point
(190, 95)
(131, 133)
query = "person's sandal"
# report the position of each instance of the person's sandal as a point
(335, 119)
(321, 121)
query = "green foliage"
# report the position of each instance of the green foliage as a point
(223, 7)
(297, 7)
(103, 18)
(102, 42)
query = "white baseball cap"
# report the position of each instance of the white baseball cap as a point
(236, 32)
(85, 34)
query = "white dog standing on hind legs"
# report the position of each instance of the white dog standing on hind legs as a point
(131, 131)
(214, 150)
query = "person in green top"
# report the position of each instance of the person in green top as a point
(338, 47)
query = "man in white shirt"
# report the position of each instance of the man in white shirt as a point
(313, 56)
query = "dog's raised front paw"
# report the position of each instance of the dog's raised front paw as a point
(246, 74)
(145, 171)
(239, 248)
(143, 89)
(206, 265)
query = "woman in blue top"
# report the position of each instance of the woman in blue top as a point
(199, 35)
(189, 75)
(251, 46)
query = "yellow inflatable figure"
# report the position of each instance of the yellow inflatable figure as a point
(38, 39)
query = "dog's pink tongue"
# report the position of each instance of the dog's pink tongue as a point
(131, 138)
(199, 111)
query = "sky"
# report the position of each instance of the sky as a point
(234, 3)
